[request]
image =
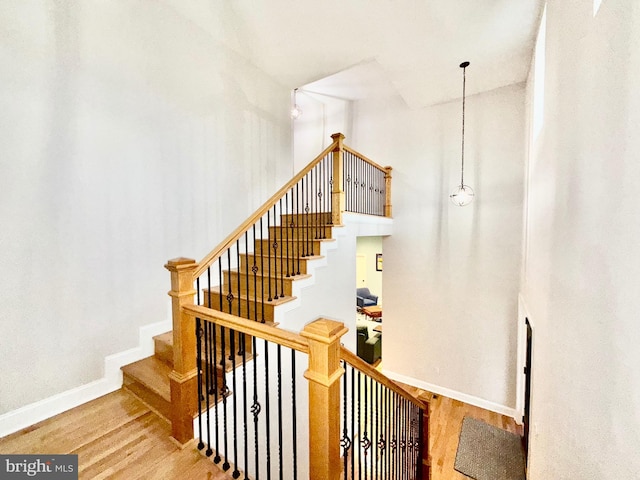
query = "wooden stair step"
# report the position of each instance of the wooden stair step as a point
(275, 265)
(308, 232)
(148, 379)
(290, 247)
(238, 280)
(163, 347)
(317, 218)
(250, 307)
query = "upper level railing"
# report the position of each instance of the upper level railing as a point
(250, 268)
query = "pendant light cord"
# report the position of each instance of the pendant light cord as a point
(464, 84)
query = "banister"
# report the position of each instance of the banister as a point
(355, 361)
(238, 232)
(362, 157)
(249, 327)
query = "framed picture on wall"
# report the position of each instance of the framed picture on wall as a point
(378, 262)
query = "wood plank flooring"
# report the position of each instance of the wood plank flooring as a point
(445, 422)
(115, 436)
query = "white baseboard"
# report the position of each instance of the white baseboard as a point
(446, 392)
(23, 417)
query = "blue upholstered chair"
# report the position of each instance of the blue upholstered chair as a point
(364, 298)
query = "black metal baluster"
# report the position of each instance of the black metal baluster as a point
(377, 438)
(239, 283)
(267, 407)
(283, 232)
(254, 269)
(360, 423)
(245, 410)
(255, 410)
(223, 361)
(216, 389)
(307, 211)
(288, 220)
(207, 367)
(279, 398)
(317, 195)
(232, 355)
(353, 423)
(276, 241)
(199, 365)
(229, 296)
(269, 253)
(262, 272)
(366, 441)
(295, 238)
(395, 441)
(294, 411)
(344, 441)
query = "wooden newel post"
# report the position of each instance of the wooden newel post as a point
(387, 189)
(337, 192)
(324, 397)
(184, 377)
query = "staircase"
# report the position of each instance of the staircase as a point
(282, 251)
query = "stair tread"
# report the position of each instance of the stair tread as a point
(300, 276)
(166, 337)
(152, 373)
(275, 302)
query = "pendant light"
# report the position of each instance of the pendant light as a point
(463, 194)
(296, 111)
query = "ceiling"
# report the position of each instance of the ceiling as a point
(410, 48)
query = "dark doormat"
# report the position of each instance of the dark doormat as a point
(489, 453)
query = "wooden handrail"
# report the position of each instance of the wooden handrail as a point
(362, 157)
(238, 232)
(359, 364)
(250, 327)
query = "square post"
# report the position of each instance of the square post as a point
(184, 377)
(337, 191)
(387, 192)
(324, 375)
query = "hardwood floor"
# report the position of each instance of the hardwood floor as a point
(445, 421)
(115, 436)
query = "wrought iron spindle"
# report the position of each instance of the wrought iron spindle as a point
(353, 424)
(267, 408)
(279, 400)
(232, 355)
(216, 390)
(223, 341)
(294, 416)
(255, 411)
(268, 276)
(345, 442)
(245, 409)
(199, 367)
(262, 272)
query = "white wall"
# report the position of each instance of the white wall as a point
(451, 274)
(583, 271)
(322, 116)
(130, 133)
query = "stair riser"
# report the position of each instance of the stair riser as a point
(323, 218)
(158, 404)
(163, 351)
(259, 284)
(306, 233)
(250, 313)
(274, 266)
(289, 248)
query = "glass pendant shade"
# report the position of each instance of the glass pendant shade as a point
(296, 111)
(462, 195)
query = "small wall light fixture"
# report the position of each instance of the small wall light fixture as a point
(296, 111)
(463, 194)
